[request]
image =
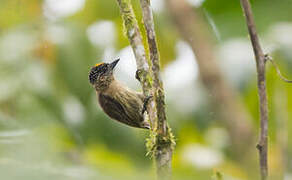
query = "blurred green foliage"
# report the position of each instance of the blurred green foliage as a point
(52, 128)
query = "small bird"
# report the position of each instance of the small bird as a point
(117, 101)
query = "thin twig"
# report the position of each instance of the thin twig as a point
(164, 141)
(260, 63)
(268, 58)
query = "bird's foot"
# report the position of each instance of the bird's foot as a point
(145, 103)
(137, 76)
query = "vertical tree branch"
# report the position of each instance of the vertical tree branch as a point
(164, 139)
(143, 71)
(161, 140)
(260, 63)
(154, 57)
(224, 99)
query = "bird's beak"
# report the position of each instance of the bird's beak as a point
(113, 64)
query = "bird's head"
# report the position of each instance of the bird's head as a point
(101, 75)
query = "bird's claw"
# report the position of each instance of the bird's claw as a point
(146, 101)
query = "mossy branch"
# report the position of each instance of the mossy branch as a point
(161, 141)
(143, 71)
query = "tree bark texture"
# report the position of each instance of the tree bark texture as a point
(143, 71)
(164, 139)
(161, 142)
(261, 76)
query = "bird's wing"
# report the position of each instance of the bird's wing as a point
(115, 110)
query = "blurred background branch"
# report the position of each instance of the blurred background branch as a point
(194, 30)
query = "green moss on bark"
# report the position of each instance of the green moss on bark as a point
(157, 142)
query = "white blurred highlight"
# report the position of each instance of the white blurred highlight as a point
(157, 5)
(196, 3)
(126, 69)
(281, 34)
(14, 133)
(180, 79)
(54, 9)
(201, 157)
(57, 34)
(288, 176)
(73, 111)
(183, 70)
(102, 33)
(14, 46)
(237, 60)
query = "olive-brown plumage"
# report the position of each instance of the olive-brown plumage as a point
(115, 99)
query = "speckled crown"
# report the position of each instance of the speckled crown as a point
(97, 70)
